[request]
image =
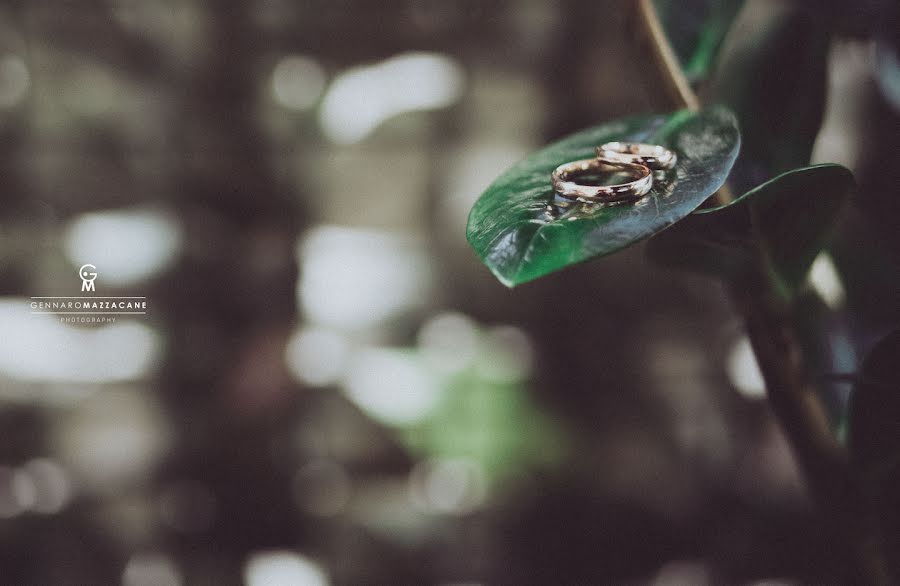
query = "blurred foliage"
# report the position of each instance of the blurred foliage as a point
(114, 106)
(493, 424)
(773, 75)
(696, 30)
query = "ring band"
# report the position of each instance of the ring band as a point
(650, 155)
(562, 180)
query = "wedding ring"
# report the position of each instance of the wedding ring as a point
(650, 155)
(564, 185)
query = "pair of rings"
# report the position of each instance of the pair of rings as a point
(636, 159)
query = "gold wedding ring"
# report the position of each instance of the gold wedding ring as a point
(650, 155)
(564, 185)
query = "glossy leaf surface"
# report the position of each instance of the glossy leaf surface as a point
(522, 231)
(784, 222)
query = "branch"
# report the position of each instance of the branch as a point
(789, 388)
(797, 407)
(675, 84)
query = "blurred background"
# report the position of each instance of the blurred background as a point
(328, 387)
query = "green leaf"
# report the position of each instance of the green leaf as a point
(522, 232)
(783, 223)
(696, 30)
(772, 74)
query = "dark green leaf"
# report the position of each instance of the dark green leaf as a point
(887, 70)
(874, 438)
(696, 29)
(783, 223)
(824, 337)
(772, 74)
(521, 232)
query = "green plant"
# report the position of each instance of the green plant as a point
(761, 243)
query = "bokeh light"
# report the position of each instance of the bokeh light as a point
(449, 342)
(353, 279)
(112, 439)
(317, 356)
(743, 370)
(49, 351)
(14, 80)
(126, 245)
(824, 278)
(393, 386)
(283, 568)
(448, 486)
(297, 82)
(361, 99)
(52, 486)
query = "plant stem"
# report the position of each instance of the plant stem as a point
(797, 407)
(793, 397)
(675, 84)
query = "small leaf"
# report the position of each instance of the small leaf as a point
(874, 438)
(772, 74)
(521, 232)
(786, 220)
